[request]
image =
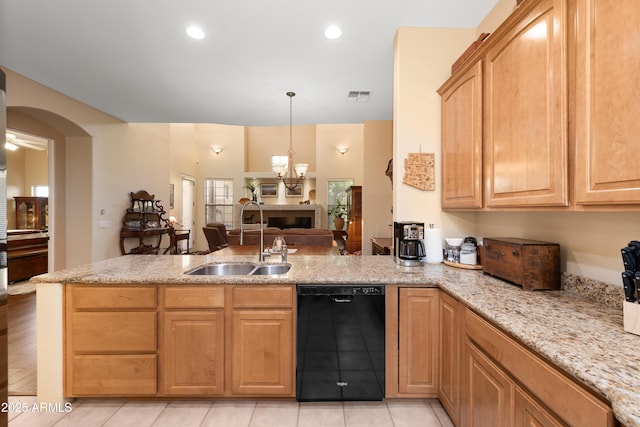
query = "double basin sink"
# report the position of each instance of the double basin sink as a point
(239, 269)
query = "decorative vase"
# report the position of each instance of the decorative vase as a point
(339, 223)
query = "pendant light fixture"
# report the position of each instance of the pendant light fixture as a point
(288, 173)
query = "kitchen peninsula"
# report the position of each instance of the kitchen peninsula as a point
(579, 343)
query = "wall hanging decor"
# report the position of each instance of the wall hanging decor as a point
(419, 171)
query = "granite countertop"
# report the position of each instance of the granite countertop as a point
(582, 337)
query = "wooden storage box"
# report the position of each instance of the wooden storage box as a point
(532, 264)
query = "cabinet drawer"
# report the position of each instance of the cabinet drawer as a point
(564, 396)
(263, 297)
(113, 297)
(194, 297)
(121, 375)
(101, 332)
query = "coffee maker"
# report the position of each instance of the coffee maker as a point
(408, 243)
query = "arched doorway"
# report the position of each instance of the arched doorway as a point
(70, 187)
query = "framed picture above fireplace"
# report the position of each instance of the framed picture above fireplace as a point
(268, 190)
(296, 192)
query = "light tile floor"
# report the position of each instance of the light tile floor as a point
(123, 413)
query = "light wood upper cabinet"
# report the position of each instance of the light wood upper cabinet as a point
(462, 140)
(525, 108)
(607, 107)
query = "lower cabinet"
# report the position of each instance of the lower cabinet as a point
(412, 342)
(179, 341)
(262, 358)
(192, 349)
(487, 391)
(505, 384)
(527, 411)
(110, 341)
(193, 353)
(449, 343)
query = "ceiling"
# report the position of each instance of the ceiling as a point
(133, 59)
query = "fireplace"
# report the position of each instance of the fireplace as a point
(283, 216)
(290, 222)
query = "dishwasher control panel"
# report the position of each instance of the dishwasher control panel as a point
(339, 289)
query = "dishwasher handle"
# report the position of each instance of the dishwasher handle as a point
(341, 299)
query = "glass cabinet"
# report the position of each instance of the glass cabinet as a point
(32, 213)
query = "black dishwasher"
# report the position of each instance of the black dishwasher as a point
(340, 342)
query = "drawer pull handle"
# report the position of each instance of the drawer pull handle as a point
(514, 252)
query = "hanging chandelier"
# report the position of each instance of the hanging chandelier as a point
(289, 173)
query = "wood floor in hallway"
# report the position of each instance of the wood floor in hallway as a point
(22, 345)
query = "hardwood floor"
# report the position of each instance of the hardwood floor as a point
(22, 345)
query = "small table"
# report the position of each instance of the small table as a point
(176, 236)
(381, 245)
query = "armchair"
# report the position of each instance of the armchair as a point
(216, 234)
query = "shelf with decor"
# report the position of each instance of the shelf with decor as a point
(145, 223)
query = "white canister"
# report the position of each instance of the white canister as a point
(468, 254)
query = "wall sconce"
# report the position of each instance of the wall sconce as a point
(217, 150)
(342, 150)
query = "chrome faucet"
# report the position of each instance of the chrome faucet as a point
(262, 251)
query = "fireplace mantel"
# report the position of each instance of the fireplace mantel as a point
(314, 212)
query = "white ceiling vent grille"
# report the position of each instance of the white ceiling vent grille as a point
(359, 96)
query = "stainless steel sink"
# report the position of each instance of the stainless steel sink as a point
(239, 269)
(267, 269)
(224, 269)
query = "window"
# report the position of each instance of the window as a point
(40, 190)
(279, 160)
(218, 201)
(337, 192)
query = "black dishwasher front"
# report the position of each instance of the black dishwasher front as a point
(340, 342)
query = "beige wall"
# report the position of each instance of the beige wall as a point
(497, 15)
(227, 165)
(377, 191)
(331, 164)
(422, 63)
(262, 142)
(98, 161)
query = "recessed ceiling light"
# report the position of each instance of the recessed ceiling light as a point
(333, 32)
(195, 33)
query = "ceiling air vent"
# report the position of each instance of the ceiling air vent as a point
(358, 96)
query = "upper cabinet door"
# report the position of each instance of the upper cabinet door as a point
(525, 110)
(607, 107)
(462, 140)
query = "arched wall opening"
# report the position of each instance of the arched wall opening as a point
(70, 183)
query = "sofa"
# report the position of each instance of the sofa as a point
(293, 236)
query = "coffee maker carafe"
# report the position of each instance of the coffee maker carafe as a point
(408, 243)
